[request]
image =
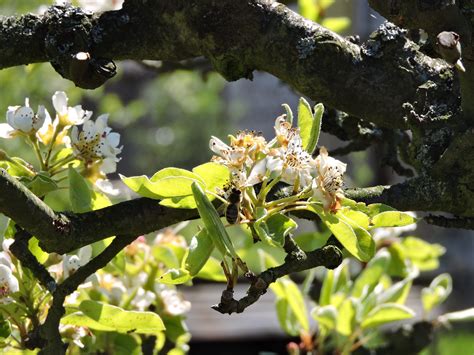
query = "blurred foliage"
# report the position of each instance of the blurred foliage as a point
(316, 10)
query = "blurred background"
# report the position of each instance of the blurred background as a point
(166, 113)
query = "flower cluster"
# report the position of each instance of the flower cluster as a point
(253, 160)
(95, 144)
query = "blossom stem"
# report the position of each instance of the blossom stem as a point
(264, 192)
(61, 162)
(51, 143)
(36, 148)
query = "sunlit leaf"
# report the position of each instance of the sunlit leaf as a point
(79, 192)
(175, 277)
(371, 274)
(392, 219)
(346, 317)
(326, 316)
(336, 24)
(309, 124)
(200, 250)
(386, 313)
(101, 316)
(440, 288)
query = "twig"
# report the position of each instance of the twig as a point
(450, 222)
(20, 249)
(328, 256)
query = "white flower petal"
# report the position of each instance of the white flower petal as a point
(23, 119)
(218, 146)
(60, 102)
(108, 166)
(113, 139)
(6, 131)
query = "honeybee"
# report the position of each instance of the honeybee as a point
(232, 211)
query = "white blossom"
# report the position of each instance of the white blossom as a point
(8, 283)
(97, 141)
(23, 120)
(327, 186)
(173, 302)
(68, 116)
(71, 263)
(143, 299)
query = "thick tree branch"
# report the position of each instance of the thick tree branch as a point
(238, 37)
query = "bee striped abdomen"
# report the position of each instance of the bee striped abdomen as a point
(233, 209)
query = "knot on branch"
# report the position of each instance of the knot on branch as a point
(68, 45)
(331, 256)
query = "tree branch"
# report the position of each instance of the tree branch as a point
(329, 256)
(238, 37)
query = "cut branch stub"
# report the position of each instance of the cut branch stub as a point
(67, 45)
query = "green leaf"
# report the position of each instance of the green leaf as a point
(213, 223)
(287, 290)
(213, 175)
(286, 317)
(200, 249)
(336, 24)
(386, 313)
(174, 172)
(308, 9)
(175, 277)
(439, 289)
(369, 277)
(376, 208)
(42, 184)
(279, 226)
(212, 270)
(326, 316)
(346, 317)
(309, 124)
(392, 219)
(33, 246)
(138, 184)
(101, 316)
(289, 113)
(355, 239)
(5, 327)
(355, 217)
(79, 192)
(166, 255)
(422, 254)
(172, 186)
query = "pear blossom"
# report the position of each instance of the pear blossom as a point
(143, 299)
(68, 116)
(75, 333)
(292, 163)
(173, 301)
(71, 263)
(23, 120)
(97, 141)
(327, 186)
(8, 283)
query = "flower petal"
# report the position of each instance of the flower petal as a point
(60, 102)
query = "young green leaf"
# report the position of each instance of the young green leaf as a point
(79, 192)
(309, 124)
(213, 176)
(138, 184)
(101, 316)
(279, 226)
(289, 113)
(392, 219)
(466, 315)
(326, 316)
(346, 317)
(212, 271)
(213, 223)
(175, 277)
(355, 239)
(42, 184)
(370, 276)
(439, 289)
(200, 250)
(386, 313)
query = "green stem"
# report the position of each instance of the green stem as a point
(264, 192)
(36, 148)
(51, 143)
(63, 161)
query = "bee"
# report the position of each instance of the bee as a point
(232, 211)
